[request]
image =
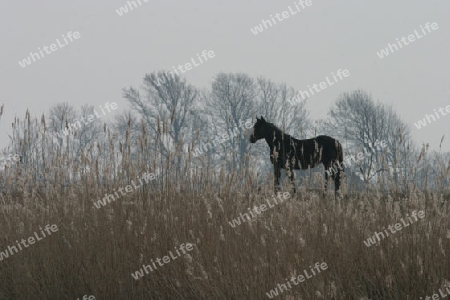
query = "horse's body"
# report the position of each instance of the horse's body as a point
(290, 153)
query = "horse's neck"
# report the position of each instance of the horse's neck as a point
(269, 141)
(276, 139)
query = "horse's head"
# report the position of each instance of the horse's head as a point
(258, 130)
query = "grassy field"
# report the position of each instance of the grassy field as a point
(96, 250)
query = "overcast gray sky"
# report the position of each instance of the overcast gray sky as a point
(115, 51)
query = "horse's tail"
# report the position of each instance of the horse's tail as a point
(339, 176)
(340, 153)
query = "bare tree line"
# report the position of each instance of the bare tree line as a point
(182, 117)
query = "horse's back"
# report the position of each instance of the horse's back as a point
(325, 138)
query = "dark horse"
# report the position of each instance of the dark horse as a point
(290, 153)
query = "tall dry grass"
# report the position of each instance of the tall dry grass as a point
(96, 250)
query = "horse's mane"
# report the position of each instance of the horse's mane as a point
(278, 130)
(273, 126)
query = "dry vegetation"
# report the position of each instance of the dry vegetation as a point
(96, 250)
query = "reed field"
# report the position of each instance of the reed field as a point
(225, 150)
(95, 251)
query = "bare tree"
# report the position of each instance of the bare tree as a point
(61, 116)
(75, 131)
(166, 106)
(127, 121)
(228, 107)
(363, 125)
(274, 102)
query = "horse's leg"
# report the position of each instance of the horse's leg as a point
(338, 180)
(335, 178)
(290, 172)
(328, 173)
(276, 174)
(326, 183)
(340, 171)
